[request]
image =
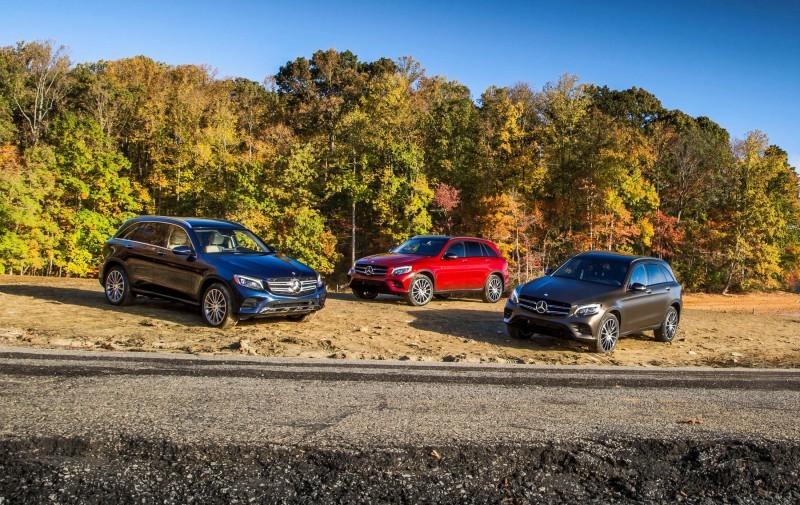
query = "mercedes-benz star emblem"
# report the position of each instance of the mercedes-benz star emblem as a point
(369, 270)
(541, 306)
(296, 286)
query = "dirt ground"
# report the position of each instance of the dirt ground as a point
(753, 330)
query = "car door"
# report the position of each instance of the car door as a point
(635, 305)
(178, 276)
(454, 271)
(477, 265)
(140, 252)
(660, 293)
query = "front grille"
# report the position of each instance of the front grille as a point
(554, 308)
(288, 286)
(368, 269)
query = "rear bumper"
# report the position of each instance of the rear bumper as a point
(388, 285)
(577, 328)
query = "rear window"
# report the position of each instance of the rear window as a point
(655, 274)
(667, 273)
(148, 233)
(474, 250)
(488, 251)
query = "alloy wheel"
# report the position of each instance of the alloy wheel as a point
(422, 290)
(609, 333)
(672, 324)
(215, 306)
(115, 286)
(495, 289)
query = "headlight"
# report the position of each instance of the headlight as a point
(320, 281)
(587, 310)
(401, 270)
(248, 282)
(514, 298)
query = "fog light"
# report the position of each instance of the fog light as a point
(249, 303)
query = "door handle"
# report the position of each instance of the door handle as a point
(129, 247)
(162, 253)
(667, 289)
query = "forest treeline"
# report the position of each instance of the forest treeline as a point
(333, 158)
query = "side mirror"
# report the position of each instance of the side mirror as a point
(450, 256)
(638, 287)
(183, 250)
(272, 250)
(392, 249)
(548, 271)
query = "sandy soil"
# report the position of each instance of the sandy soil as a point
(759, 329)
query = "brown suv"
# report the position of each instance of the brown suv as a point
(597, 297)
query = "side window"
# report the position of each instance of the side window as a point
(488, 251)
(654, 274)
(474, 250)
(128, 232)
(149, 233)
(638, 275)
(457, 248)
(667, 274)
(177, 237)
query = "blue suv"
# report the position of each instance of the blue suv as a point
(219, 265)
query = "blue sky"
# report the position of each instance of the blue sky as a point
(737, 62)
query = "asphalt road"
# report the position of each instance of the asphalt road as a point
(374, 426)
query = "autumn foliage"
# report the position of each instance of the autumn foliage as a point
(333, 158)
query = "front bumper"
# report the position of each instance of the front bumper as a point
(387, 284)
(257, 303)
(569, 326)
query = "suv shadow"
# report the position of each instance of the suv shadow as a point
(486, 326)
(174, 312)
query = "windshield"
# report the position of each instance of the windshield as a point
(230, 241)
(600, 270)
(426, 246)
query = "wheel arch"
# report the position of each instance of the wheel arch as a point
(208, 281)
(429, 274)
(112, 262)
(500, 275)
(618, 314)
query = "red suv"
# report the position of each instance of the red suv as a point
(432, 266)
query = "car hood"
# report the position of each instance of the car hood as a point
(566, 290)
(265, 266)
(391, 259)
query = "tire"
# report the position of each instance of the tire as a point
(492, 289)
(669, 327)
(301, 318)
(117, 287)
(420, 291)
(607, 334)
(216, 307)
(442, 296)
(518, 333)
(364, 294)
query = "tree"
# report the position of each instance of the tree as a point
(38, 83)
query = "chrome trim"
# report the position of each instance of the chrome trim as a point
(292, 286)
(553, 308)
(289, 307)
(377, 270)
